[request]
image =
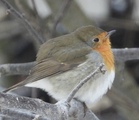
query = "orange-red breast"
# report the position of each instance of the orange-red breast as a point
(64, 61)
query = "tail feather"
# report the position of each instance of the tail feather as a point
(9, 89)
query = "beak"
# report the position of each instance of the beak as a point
(110, 33)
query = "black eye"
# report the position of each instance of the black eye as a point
(96, 40)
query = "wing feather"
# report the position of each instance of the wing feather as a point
(55, 57)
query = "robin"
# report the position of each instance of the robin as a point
(64, 61)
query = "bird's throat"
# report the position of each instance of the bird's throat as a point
(107, 55)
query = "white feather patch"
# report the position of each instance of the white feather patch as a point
(96, 91)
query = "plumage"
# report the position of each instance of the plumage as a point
(64, 61)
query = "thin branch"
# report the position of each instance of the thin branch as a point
(16, 69)
(61, 14)
(76, 89)
(26, 23)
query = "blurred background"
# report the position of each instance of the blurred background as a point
(17, 46)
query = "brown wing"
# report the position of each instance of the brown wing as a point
(49, 67)
(45, 68)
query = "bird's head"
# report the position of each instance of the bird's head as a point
(95, 37)
(101, 41)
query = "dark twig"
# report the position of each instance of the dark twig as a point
(60, 15)
(29, 27)
(75, 90)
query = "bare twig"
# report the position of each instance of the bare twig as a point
(75, 90)
(16, 69)
(29, 27)
(61, 14)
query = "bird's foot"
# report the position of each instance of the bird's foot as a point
(64, 106)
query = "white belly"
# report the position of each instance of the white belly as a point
(86, 94)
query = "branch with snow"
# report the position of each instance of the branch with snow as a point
(23, 108)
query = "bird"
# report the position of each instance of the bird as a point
(62, 62)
